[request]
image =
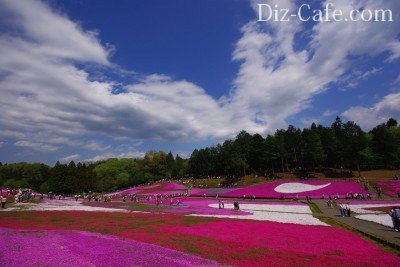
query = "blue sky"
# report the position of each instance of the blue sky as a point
(88, 80)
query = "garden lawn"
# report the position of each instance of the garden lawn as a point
(230, 242)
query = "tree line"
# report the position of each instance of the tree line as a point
(102, 176)
(342, 145)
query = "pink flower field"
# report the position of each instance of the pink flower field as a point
(77, 248)
(157, 188)
(61, 238)
(390, 188)
(289, 189)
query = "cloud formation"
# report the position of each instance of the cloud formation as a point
(50, 99)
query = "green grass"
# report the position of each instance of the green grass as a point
(314, 208)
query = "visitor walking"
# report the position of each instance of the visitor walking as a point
(3, 200)
(341, 209)
(379, 191)
(393, 215)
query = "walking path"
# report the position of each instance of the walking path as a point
(373, 230)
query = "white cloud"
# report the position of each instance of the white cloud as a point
(130, 154)
(53, 34)
(388, 107)
(397, 80)
(48, 98)
(96, 146)
(70, 158)
(275, 81)
(329, 112)
(37, 146)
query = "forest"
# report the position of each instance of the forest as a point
(340, 146)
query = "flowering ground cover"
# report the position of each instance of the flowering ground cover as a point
(372, 208)
(374, 211)
(164, 188)
(229, 242)
(60, 205)
(390, 188)
(383, 219)
(297, 188)
(200, 192)
(78, 248)
(283, 212)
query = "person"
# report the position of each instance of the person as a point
(396, 177)
(395, 215)
(341, 209)
(347, 210)
(3, 202)
(379, 191)
(222, 204)
(219, 204)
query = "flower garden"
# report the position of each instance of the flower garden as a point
(192, 231)
(390, 188)
(287, 189)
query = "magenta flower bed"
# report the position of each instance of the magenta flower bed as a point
(390, 188)
(162, 192)
(285, 244)
(199, 192)
(267, 190)
(133, 190)
(157, 188)
(174, 186)
(76, 248)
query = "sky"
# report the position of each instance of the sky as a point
(88, 80)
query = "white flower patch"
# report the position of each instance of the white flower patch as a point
(298, 187)
(297, 214)
(281, 217)
(72, 208)
(60, 205)
(362, 209)
(383, 219)
(269, 207)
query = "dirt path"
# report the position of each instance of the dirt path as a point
(371, 229)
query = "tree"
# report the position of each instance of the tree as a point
(313, 151)
(292, 139)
